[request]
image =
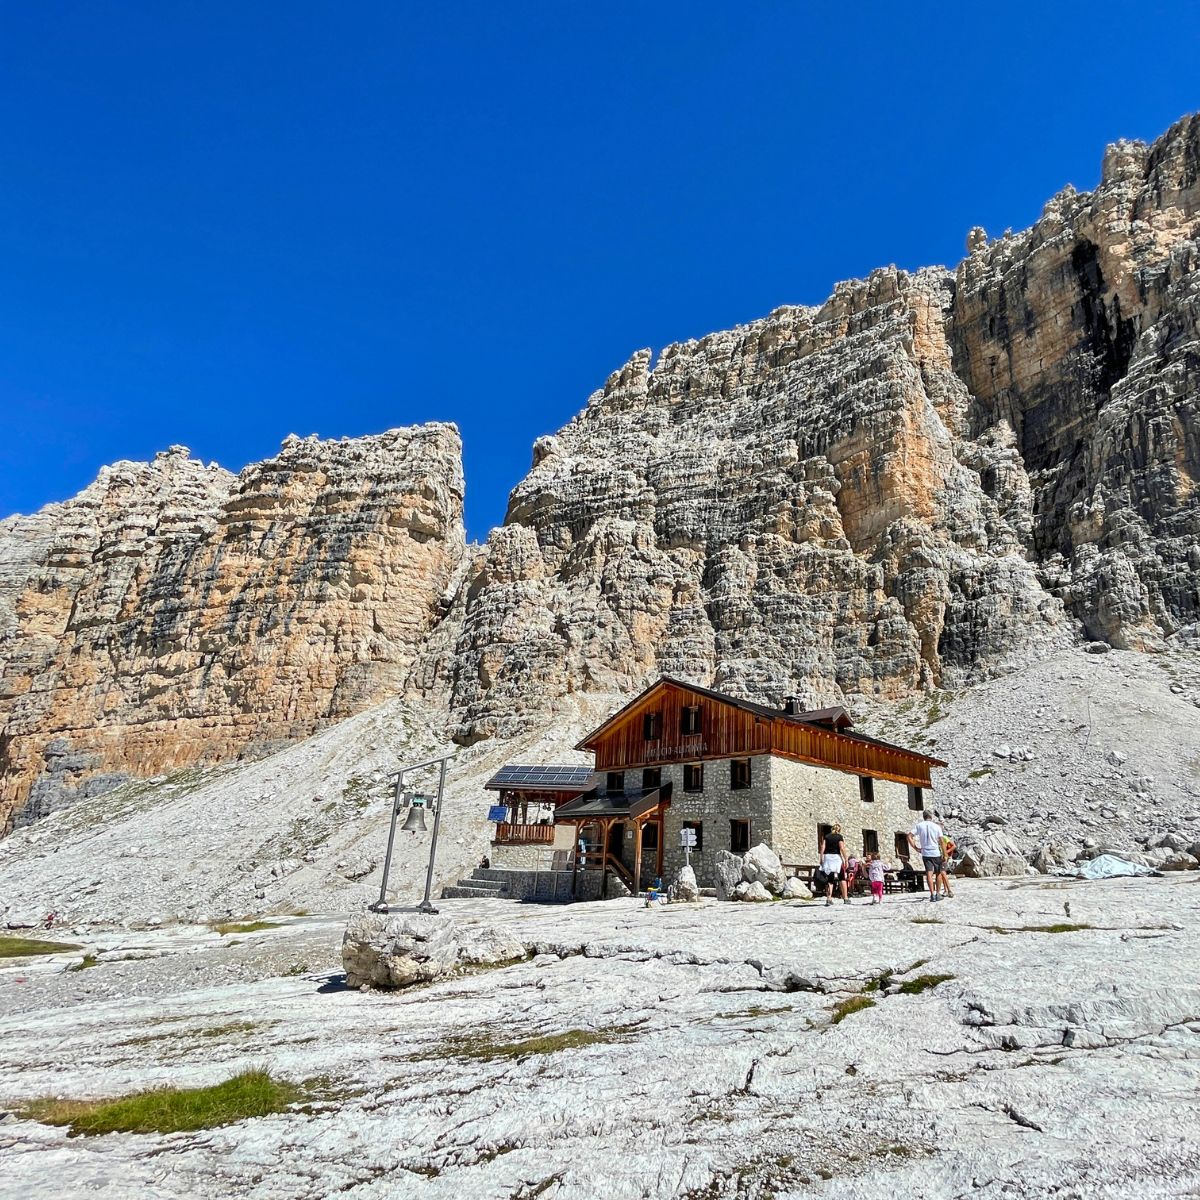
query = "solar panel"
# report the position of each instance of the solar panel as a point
(550, 777)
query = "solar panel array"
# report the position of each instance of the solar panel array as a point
(541, 777)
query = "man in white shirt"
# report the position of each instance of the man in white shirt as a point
(926, 839)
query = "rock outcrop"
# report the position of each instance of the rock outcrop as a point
(397, 951)
(174, 614)
(856, 498)
(928, 480)
(931, 479)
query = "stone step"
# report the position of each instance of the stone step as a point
(468, 891)
(500, 874)
(495, 885)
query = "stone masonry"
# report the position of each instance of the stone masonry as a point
(784, 804)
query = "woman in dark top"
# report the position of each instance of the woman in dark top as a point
(833, 863)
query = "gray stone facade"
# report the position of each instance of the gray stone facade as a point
(784, 805)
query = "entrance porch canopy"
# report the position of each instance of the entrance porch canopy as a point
(641, 807)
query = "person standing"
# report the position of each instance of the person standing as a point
(926, 839)
(833, 863)
(946, 847)
(875, 873)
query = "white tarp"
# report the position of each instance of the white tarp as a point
(1109, 866)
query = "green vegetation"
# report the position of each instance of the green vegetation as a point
(181, 1037)
(850, 1005)
(86, 962)
(20, 947)
(570, 1039)
(246, 926)
(755, 1010)
(357, 791)
(922, 983)
(1060, 927)
(253, 1093)
(925, 921)
(981, 773)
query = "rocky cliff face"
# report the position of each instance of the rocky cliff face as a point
(928, 479)
(174, 614)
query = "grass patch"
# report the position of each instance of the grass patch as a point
(184, 1035)
(981, 773)
(224, 927)
(85, 963)
(922, 983)
(926, 921)
(253, 1093)
(20, 947)
(551, 1043)
(1059, 927)
(755, 1010)
(850, 1005)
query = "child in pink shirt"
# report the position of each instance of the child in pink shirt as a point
(875, 870)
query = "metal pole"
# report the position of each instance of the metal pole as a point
(381, 904)
(426, 905)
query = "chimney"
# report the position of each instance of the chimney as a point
(791, 706)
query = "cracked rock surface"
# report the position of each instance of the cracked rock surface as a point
(685, 1050)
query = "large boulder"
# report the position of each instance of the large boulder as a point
(399, 949)
(685, 887)
(1164, 858)
(756, 891)
(794, 889)
(762, 865)
(727, 867)
(979, 855)
(1053, 856)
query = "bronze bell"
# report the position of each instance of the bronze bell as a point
(415, 821)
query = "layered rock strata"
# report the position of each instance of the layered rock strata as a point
(174, 614)
(932, 478)
(927, 480)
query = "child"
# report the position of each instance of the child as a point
(875, 870)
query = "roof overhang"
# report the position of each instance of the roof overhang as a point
(629, 806)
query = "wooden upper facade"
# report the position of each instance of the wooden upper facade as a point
(672, 722)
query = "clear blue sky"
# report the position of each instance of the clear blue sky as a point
(225, 222)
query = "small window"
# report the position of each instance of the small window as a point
(901, 846)
(739, 836)
(689, 719)
(866, 789)
(739, 774)
(615, 782)
(698, 826)
(650, 835)
(870, 841)
(693, 777)
(652, 777)
(652, 726)
(822, 832)
(916, 798)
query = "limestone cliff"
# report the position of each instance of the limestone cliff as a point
(928, 479)
(174, 614)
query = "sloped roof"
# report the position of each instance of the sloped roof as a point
(595, 803)
(815, 717)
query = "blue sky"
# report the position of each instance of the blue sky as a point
(224, 222)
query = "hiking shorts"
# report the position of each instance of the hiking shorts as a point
(933, 864)
(831, 864)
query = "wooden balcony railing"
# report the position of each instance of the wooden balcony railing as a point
(508, 834)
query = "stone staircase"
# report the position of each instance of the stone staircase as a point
(484, 883)
(499, 883)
